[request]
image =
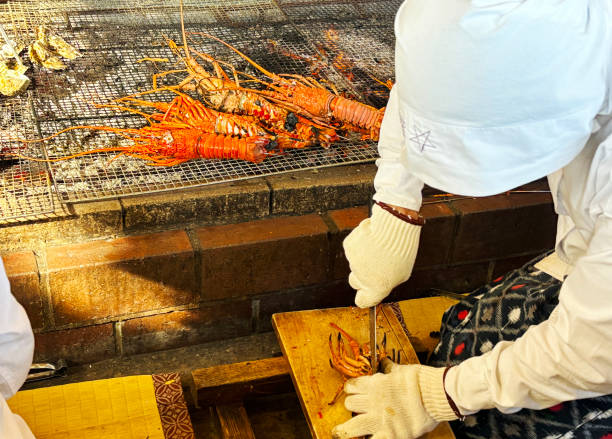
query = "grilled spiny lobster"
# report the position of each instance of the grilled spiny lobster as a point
(308, 97)
(168, 143)
(185, 109)
(227, 95)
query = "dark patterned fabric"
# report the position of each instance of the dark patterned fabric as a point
(503, 310)
(172, 408)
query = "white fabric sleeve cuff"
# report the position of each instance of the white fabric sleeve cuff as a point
(479, 397)
(431, 383)
(396, 186)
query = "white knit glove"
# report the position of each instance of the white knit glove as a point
(404, 404)
(381, 251)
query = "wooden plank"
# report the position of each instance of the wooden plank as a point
(421, 317)
(234, 422)
(303, 337)
(396, 328)
(233, 382)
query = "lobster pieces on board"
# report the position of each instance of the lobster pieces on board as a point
(303, 337)
(355, 365)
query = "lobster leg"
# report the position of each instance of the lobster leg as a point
(162, 74)
(360, 362)
(352, 343)
(269, 74)
(338, 393)
(336, 362)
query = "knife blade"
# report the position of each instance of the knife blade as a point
(373, 356)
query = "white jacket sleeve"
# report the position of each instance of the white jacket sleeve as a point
(393, 183)
(16, 340)
(12, 426)
(567, 357)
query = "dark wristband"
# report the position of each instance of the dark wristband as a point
(452, 404)
(419, 221)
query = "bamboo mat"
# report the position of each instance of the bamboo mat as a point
(133, 407)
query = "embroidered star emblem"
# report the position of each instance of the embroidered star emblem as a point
(421, 139)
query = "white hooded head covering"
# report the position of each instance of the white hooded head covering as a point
(494, 94)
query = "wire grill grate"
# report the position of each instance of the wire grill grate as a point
(107, 175)
(26, 189)
(343, 42)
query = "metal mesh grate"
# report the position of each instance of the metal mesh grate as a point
(105, 175)
(360, 50)
(26, 189)
(25, 184)
(356, 36)
(343, 42)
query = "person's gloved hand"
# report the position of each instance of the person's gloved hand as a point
(403, 404)
(381, 251)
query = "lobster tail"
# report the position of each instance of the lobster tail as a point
(219, 146)
(236, 125)
(180, 145)
(358, 114)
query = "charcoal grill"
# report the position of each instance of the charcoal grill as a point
(25, 184)
(347, 42)
(26, 189)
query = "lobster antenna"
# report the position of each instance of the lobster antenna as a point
(242, 55)
(65, 130)
(183, 31)
(68, 157)
(387, 84)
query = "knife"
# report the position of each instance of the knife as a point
(41, 371)
(373, 354)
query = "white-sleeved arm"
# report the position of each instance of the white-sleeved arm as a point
(607, 107)
(16, 340)
(568, 356)
(12, 426)
(394, 184)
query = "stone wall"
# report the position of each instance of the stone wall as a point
(164, 272)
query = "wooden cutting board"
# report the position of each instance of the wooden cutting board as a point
(304, 340)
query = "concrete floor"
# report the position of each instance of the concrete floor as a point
(182, 360)
(273, 417)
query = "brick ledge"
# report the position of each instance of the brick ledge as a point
(139, 298)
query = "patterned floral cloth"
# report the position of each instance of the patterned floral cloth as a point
(172, 407)
(503, 310)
